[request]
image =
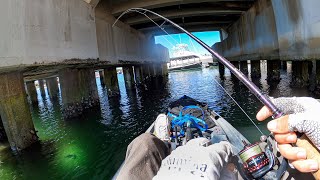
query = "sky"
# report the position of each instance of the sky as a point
(209, 37)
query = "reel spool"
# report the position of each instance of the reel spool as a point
(256, 162)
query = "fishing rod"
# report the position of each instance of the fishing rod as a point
(250, 152)
(251, 86)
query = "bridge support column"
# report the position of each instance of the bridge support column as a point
(101, 75)
(128, 77)
(15, 112)
(41, 86)
(111, 81)
(146, 71)
(317, 76)
(221, 69)
(236, 64)
(165, 69)
(32, 91)
(300, 73)
(158, 69)
(138, 74)
(52, 87)
(3, 135)
(153, 70)
(273, 70)
(244, 67)
(78, 90)
(284, 65)
(255, 69)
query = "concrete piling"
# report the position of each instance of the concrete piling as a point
(111, 81)
(153, 70)
(3, 135)
(165, 71)
(32, 91)
(52, 87)
(221, 69)
(78, 90)
(284, 65)
(128, 77)
(146, 71)
(138, 74)
(158, 69)
(273, 70)
(236, 64)
(317, 76)
(300, 73)
(255, 69)
(101, 75)
(41, 87)
(15, 112)
(244, 67)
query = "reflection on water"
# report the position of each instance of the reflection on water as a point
(94, 146)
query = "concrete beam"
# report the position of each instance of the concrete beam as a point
(217, 23)
(93, 3)
(260, 33)
(15, 112)
(41, 32)
(150, 4)
(191, 28)
(182, 13)
(253, 36)
(122, 43)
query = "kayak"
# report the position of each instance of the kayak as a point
(192, 119)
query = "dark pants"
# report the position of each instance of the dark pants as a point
(143, 158)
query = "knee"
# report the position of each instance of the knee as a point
(145, 139)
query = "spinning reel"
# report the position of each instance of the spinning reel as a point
(258, 164)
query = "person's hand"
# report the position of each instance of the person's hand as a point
(302, 116)
(197, 160)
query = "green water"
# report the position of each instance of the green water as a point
(94, 146)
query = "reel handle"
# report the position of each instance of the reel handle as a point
(312, 152)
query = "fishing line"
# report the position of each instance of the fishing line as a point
(251, 86)
(238, 106)
(243, 78)
(144, 14)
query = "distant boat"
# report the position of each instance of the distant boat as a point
(184, 59)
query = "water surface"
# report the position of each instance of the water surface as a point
(94, 146)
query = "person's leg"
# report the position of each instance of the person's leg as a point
(143, 158)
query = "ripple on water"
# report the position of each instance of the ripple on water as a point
(94, 146)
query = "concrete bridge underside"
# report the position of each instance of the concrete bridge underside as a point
(70, 39)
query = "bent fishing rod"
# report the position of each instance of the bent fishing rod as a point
(303, 141)
(251, 86)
